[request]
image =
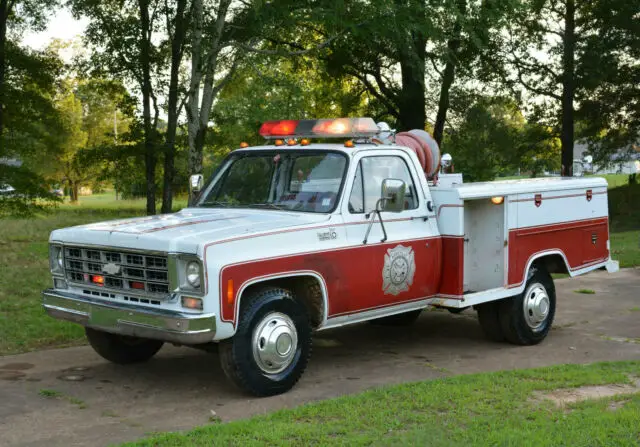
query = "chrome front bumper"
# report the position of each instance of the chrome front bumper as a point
(125, 319)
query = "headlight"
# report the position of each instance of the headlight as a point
(193, 274)
(60, 260)
(56, 259)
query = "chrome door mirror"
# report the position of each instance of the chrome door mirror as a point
(196, 182)
(393, 195)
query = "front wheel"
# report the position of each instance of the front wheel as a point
(526, 319)
(272, 345)
(122, 349)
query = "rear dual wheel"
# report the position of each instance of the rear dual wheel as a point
(525, 319)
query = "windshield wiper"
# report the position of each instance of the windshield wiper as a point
(217, 203)
(268, 205)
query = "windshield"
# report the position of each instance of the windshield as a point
(289, 180)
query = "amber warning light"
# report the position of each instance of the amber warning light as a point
(324, 128)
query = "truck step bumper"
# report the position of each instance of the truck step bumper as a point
(124, 319)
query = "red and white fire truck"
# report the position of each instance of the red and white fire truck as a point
(292, 237)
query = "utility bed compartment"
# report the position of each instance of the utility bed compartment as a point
(489, 244)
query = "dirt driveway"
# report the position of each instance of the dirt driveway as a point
(72, 397)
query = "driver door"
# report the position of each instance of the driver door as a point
(402, 269)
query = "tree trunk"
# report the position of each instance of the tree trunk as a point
(568, 86)
(411, 99)
(193, 101)
(4, 13)
(411, 107)
(149, 132)
(177, 51)
(453, 45)
(74, 192)
(202, 64)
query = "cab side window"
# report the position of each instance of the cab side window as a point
(367, 185)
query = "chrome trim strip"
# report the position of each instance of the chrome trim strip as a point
(111, 247)
(125, 319)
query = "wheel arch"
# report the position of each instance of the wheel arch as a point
(308, 287)
(554, 261)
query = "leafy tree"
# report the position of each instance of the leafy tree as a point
(492, 138)
(609, 73)
(26, 110)
(120, 37)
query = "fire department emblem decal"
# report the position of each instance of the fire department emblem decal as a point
(399, 268)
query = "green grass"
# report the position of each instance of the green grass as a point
(483, 409)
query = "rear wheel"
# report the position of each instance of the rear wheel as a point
(527, 318)
(122, 349)
(490, 321)
(272, 345)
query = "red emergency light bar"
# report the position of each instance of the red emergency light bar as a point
(324, 128)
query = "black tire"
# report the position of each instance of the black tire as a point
(237, 356)
(403, 319)
(121, 349)
(456, 310)
(489, 319)
(512, 311)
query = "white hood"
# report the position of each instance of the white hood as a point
(185, 231)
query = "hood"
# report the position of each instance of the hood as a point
(185, 231)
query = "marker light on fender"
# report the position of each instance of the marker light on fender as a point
(230, 291)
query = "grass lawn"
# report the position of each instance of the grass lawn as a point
(24, 268)
(503, 408)
(24, 262)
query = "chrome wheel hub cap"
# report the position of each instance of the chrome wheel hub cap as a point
(275, 341)
(536, 306)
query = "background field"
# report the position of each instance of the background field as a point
(24, 260)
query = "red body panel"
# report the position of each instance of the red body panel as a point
(583, 243)
(353, 276)
(452, 266)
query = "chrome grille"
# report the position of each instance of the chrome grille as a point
(131, 272)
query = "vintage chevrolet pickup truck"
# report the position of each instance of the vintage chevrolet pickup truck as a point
(292, 237)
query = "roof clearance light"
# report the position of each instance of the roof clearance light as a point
(244, 144)
(304, 142)
(291, 142)
(279, 143)
(498, 200)
(349, 143)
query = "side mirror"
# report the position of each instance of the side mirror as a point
(196, 182)
(393, 194)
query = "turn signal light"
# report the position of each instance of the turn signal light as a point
(498, 200)
(98, 279)
(192, 303)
